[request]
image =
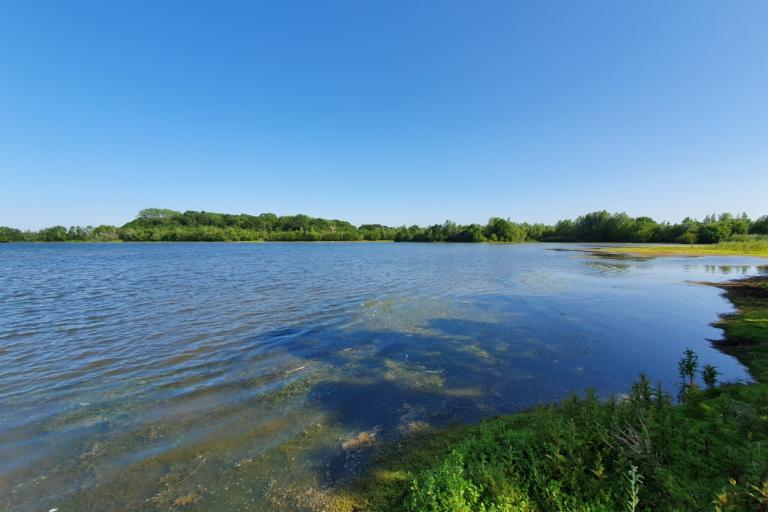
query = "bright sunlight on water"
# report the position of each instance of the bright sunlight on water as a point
(255, 376)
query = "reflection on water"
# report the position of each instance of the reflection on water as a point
(257, 376)
(742, 270)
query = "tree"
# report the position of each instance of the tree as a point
(10, 235)
(504, 230)
(709, 374)
(105, 233)
(643, 229)
(157, 214)
(687, 367)
(53, 234)
(760, 226)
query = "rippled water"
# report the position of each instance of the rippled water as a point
(240, 376)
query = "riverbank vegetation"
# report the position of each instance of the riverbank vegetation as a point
(749, 245)
(705, 447)
(155, 225)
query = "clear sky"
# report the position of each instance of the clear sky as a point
(392, 112)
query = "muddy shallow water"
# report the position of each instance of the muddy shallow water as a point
(256, 376)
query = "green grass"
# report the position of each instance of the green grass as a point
(746, 331)
(758, 247)
(641, 452)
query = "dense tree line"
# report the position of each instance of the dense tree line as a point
(593, 227)
(156, 225)
(620, 227)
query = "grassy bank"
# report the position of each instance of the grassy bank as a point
(746, 331)
(747, 248)
(645, 451)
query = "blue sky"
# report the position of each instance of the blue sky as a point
(392, 112)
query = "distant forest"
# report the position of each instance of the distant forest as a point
(162, 225)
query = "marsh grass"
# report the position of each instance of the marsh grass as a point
(748, 247)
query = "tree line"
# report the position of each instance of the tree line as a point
(163, 225)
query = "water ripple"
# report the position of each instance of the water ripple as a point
(132, 374)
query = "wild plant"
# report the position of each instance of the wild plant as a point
(709, 374)
(635, 480)
(687, 367)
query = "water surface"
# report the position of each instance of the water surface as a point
(241, 376)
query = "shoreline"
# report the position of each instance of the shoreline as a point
(675, 250)
(425, 471)
(649, 250)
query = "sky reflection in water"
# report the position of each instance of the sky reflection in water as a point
(143, 377)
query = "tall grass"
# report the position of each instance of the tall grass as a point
(640, 453)
(748, 245)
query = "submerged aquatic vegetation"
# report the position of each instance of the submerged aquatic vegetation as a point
(361, 440)
(412, 375)
(641, 452)
(221, 414)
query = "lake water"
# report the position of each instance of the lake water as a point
(240, 376)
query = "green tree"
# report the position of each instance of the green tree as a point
(687, 367)
(53, 234)
(709, 375)
(760, 226)
(157, 214)
(10, 235)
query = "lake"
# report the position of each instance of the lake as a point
(257, 376)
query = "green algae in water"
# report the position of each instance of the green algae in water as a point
(412, 376)
(191, 395)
